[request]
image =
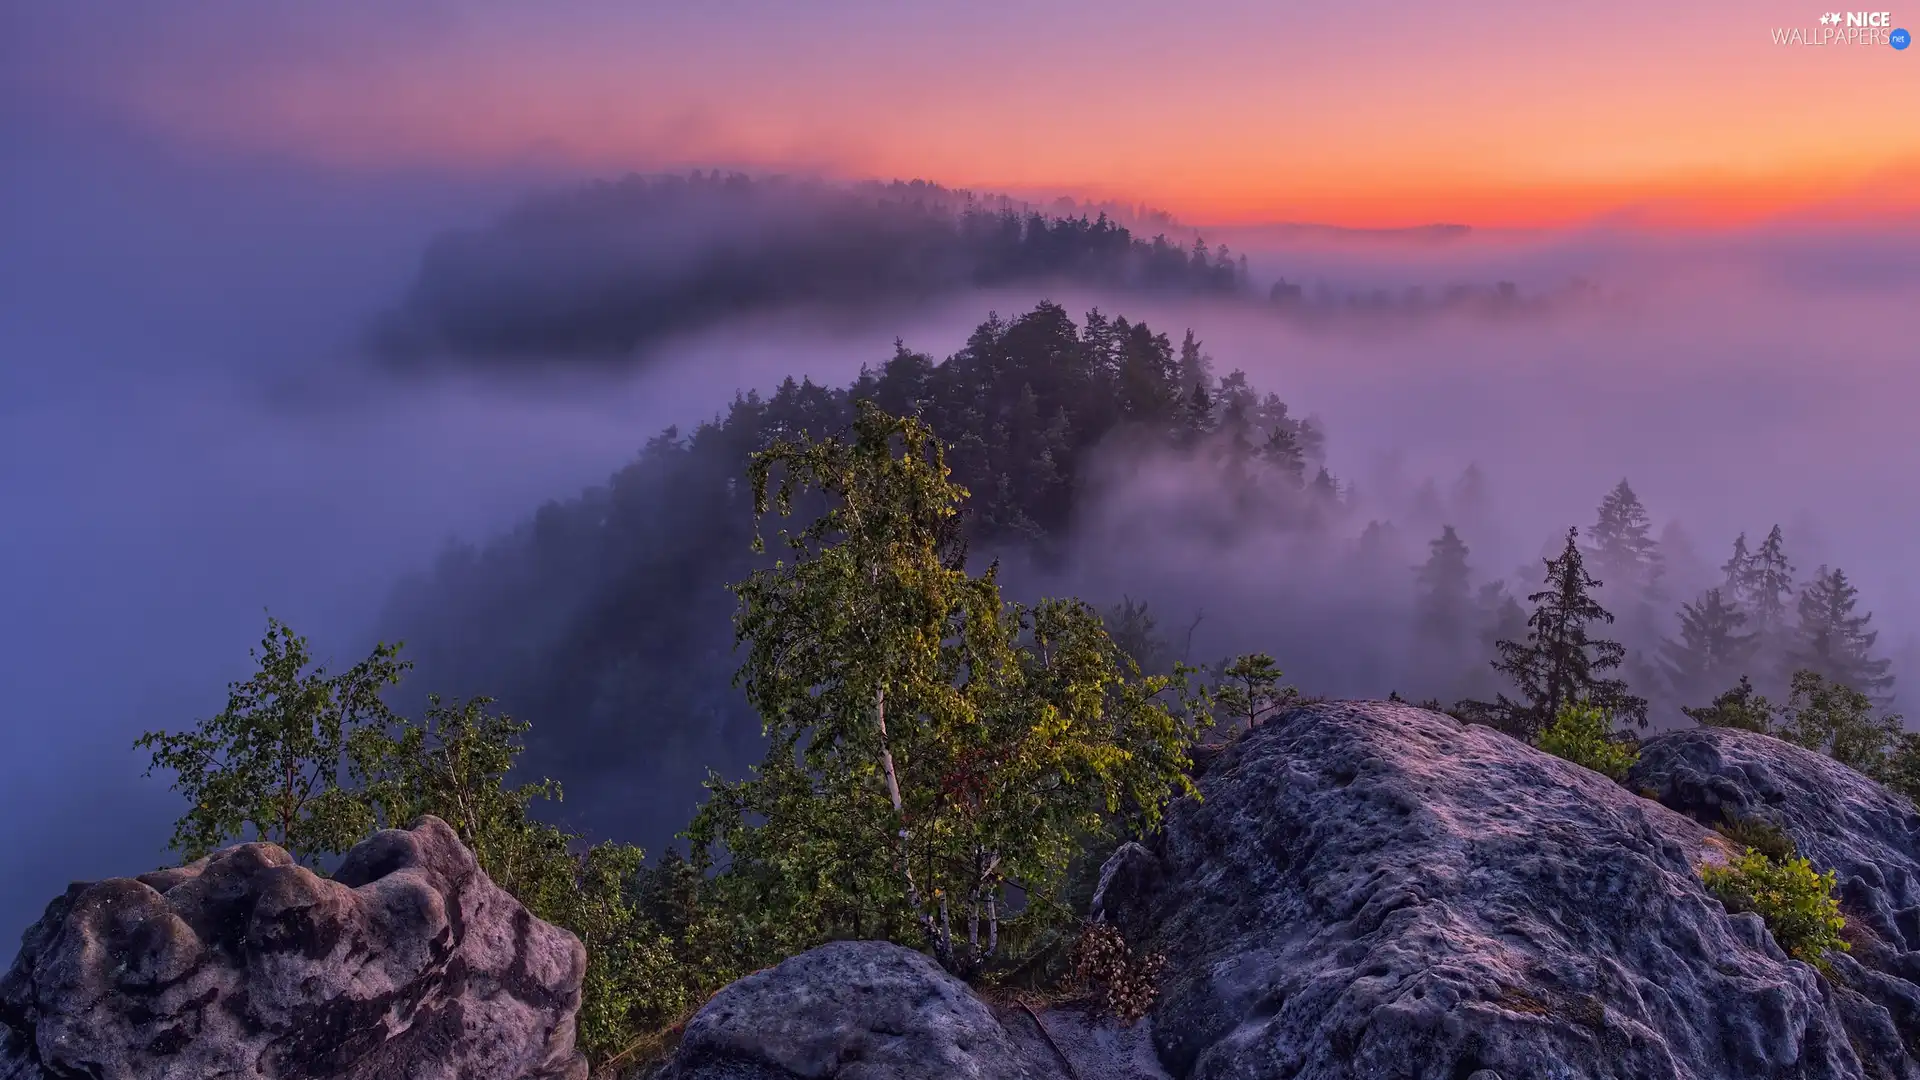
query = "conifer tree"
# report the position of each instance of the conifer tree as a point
(1325, 490)
(1834, 642)
(1559, 663)
(1625, 555)
(1767, 584)
(1443, 601)
(1738, 572)
(1196, 367)
(1197, 410)
(1711, 652)
(1444, 612)
(1623, 547)
(1282, 451)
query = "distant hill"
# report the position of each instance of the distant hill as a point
(607, 269)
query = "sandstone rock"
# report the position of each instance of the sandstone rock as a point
(408, 963)
(1376, 891)
(851, 1010)
(1841, 821)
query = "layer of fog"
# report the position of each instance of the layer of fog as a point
(187, 437)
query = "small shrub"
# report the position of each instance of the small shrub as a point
(1762, 836)
(1124, 986)
(1796, 902)
(1583, 734)
(1740, 708)
(1901, 772)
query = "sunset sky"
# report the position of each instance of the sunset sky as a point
(1360, 113)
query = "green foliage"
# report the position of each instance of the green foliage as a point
(275, 763)
(1583, 734)
(316, 763)
(1560, 661)
(609, 605)
(931, 746)
(1796, 902)
(1902, 769)
(1247, 690)
(1833, 641)
(1760, 835)
(1838, 721)
(1711, 649)
(1739, 707)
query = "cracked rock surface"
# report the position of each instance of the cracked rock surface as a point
(1370, 890)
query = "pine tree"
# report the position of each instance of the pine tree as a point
(1768, 583)
(1282, 451)
(1625, 554)
(1325, 490)
(1710, 652)
(1197, 410)
(1196, 367)
(1623, 546)
(1443, 597)
(1497, 616)
(1559, 663)
(1739, 573)
(1444, 613)
(1833, 642)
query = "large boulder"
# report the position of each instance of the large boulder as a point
(1840, 821)
(851, 1010)
(408, 963)
(869, 1010)
(1376, 891)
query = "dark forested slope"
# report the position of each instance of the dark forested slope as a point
(609, 268)
(605, 620)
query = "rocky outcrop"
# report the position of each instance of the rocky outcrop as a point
(408, 963)
(849, 1009)
(1840, 821)
(868, 1010)
(1376, 891)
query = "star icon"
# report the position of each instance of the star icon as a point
(1826, 20)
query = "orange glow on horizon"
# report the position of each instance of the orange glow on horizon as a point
(1236, 112)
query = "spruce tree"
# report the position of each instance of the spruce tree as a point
(1623, 546)
(1560, 663)
(1711, 652)
(1768, 583)
(1282, 451)
(1835, 643)
(1443, 610)
(1497, 616)
(1197, 410)
(1325, 490)
(1626, 556)
(1739, 573)
(1196, 367)
(1443, 597)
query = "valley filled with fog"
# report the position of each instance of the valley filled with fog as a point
(194, 433)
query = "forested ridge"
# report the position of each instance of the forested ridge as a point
(809, 580)
(605, 270)
(605, 616)
(611, 605)
(613, 266)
